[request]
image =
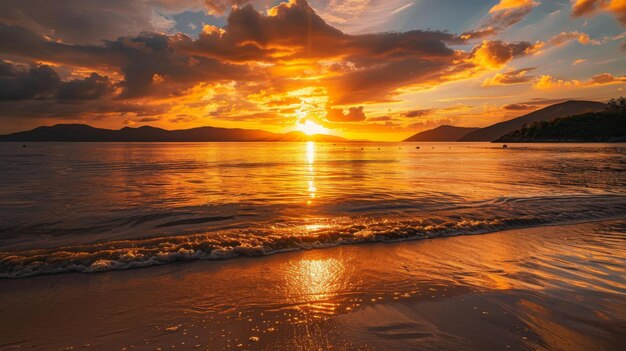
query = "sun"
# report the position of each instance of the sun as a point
(310, 128)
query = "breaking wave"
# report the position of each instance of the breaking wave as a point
(499, 214)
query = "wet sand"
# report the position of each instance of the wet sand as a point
(543, 288)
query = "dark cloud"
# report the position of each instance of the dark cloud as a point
(144, 60)
(150, 61)
(78, 110)
(354, 114)
(37, 82)
(93, 87)
(518, 107)
(544, 101)
(534, 103)
(42, 82)
(418, 113)
(84, 21)
(149, 119)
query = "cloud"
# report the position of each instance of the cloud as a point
(563, 37)
(518, 107)
(546, 82)
(89, 21)
(503, 15)
(37, 82)
(510, 77)
(543, 101)
(380, 119)
(419, 113)
(93, 87)
(354, 114)
(508, 5)
(286, 101)
(360, 16)
(590, 7)
(42, 82)
(219, 7)
(283, 60)
(578, 62)
(495, 54)
(138, 58)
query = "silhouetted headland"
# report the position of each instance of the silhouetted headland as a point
(85, 133)
(586, 127)
(551, 112)
(441, 133)
(496, 131)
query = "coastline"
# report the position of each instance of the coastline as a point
(556, 287)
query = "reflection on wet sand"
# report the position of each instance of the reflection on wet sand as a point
(313, 283)
(545, 288)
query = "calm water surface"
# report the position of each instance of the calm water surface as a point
(99, 206)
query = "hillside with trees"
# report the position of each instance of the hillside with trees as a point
(605, 126)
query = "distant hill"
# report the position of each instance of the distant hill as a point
(441, 133)
(563, 109)
(85, 133)
(586, 127)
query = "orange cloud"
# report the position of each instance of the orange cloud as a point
(354, 114)
(504, 5)
(495, 54)
(510, 77)
(503, 15)
(563, 37)
(590, 7)
(546, 82)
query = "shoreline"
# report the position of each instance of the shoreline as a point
(191, 255)
(525, 286)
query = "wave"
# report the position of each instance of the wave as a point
(500, 214)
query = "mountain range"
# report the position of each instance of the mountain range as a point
(495, 131)
(85, 133)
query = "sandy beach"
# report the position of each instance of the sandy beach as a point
(552, 287)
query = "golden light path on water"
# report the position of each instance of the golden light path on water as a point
(310, 158)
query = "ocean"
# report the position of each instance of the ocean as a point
(384, 240)
(93, 207)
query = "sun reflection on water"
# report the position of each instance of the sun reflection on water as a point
(310, 159)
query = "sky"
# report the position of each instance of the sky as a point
(360, 69)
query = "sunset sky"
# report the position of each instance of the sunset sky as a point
(361, 69)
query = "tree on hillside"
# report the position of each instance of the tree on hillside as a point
(617, 105)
